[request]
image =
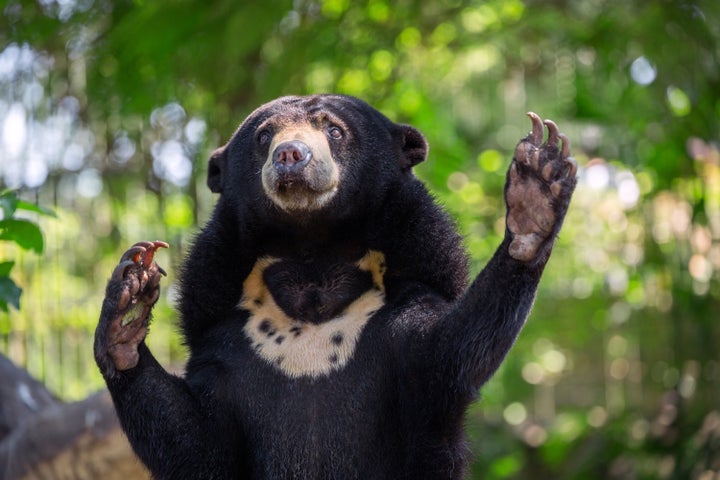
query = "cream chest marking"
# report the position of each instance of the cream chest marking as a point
(299, 348)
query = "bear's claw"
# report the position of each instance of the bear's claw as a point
(536, 135)
(141, 253)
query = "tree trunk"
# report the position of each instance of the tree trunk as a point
(42, 437)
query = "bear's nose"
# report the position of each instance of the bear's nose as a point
(291, 156)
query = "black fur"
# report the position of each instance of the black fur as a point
(315, 291)
(396, 409)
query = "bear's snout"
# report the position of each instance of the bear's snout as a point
(291, 157)
(300, 173)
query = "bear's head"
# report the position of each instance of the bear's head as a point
(319, 156)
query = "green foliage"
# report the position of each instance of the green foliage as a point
(24, 234)
(9, 291)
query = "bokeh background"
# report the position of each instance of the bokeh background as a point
(109, 109)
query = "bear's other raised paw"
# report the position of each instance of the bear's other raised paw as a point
(540, 183)
(131, 293)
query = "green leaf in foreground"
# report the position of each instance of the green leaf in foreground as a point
(5, 268)
(8, 204)
(31, 207)
(9, 294)
(23, 232)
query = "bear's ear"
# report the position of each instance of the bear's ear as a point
(414, 146)
(216, 169)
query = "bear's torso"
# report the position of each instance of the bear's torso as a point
(327, 395)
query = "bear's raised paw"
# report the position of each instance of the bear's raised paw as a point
(540, 183)
(131, 293)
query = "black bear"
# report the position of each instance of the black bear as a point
(331, 330)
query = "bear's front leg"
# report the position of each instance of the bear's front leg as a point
(473, 338)
(164, 419)
(540, 183)
(131, 293)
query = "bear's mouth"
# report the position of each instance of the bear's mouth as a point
(299, 193)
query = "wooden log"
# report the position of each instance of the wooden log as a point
(43, 438)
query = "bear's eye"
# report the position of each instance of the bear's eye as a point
(263, 137)
(335, 132)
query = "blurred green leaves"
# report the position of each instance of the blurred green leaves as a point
(9, 291)
(25, 234)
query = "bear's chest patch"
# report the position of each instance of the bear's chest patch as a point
(306, 318)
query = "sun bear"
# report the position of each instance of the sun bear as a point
(325, 304)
